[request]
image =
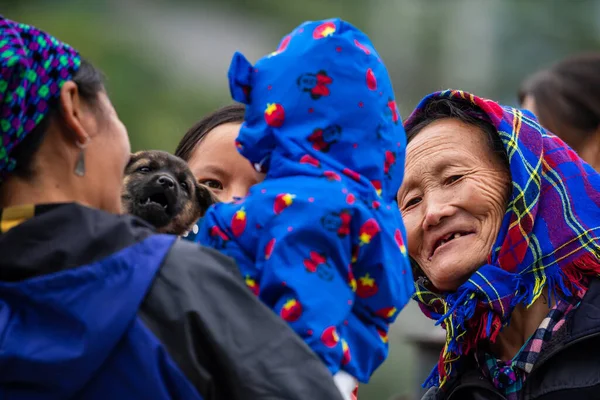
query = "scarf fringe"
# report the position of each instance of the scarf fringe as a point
(463, 315)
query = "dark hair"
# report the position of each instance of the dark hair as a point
(89, 81)
(567, 97)
(464, 111)
(195, 135)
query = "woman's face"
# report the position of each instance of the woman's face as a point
(452, 200)
(217, 164)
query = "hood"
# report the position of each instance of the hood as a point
(57, 327)
(323, 98)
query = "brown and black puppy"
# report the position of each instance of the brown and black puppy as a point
(160, 188)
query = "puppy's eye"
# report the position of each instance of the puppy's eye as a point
(212, 183)
(184, 185)
(143, 170)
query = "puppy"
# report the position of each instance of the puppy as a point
(160, 188)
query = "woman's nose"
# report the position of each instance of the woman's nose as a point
(436, 211)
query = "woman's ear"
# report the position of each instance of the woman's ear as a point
(72, 111)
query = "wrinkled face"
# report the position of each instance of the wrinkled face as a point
(452, 200)
(216, 163)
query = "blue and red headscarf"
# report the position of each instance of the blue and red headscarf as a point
(549, 238)
(33, 67)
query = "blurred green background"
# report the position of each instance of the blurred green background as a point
(166, 63)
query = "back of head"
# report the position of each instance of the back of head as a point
(34, 65)
(567, 98)
(324, 93)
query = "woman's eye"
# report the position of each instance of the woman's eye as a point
(143, 170)
(412, 202)
(453, 179)
(213, 184)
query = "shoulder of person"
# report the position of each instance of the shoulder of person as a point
(223, 338)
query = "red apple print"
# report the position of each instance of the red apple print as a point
(311, 264)
(376, 204)
(362, 47)
(251, 283)
(351, 174)
(390, 160)
(308, 159)
(344, 229)
(284, 44)
(269, 248)
(332, 176)
(382, 335)
(377, 186)
(291, 310)
(330, 337)
(324, 30)
(371, 80)
(346, 358)
(274, 115)
(350, 198)
(215, 231)
(366, 287)
(394, 110)
(400, 241)
(282, 201)
(368, 231)
(387, 312)
(238, 222)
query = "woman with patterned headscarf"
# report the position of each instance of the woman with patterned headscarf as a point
(94, 305)
(503, 224)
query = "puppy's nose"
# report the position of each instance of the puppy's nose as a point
(166, 181)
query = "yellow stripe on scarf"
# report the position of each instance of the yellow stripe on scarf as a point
(13, 216)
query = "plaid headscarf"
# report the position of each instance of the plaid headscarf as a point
(33, 67)
(550, 234)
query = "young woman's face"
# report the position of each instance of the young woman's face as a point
(217, 164)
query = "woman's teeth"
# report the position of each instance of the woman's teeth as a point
(456, 235)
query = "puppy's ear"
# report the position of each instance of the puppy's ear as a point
(204, 198)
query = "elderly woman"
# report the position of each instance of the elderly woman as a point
(93, 304)
(503, 223)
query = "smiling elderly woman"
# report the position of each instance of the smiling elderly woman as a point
(503, 223)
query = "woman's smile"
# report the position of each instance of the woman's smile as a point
(452, 200)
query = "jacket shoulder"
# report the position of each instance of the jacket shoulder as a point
(226, 342)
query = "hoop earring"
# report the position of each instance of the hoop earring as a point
(80, 166)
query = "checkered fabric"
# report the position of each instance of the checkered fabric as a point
(549, 237)
(509, 376)
(33, 67)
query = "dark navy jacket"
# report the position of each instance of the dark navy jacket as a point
(568, 366)
(96, 306)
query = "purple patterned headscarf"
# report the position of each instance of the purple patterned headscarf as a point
(33, 67)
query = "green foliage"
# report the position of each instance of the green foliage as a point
(154, 105)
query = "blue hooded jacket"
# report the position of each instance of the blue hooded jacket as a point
(321, 240)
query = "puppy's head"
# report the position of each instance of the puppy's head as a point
(160, 188)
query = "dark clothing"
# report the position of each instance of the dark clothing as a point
(97, 306)
(568, 366)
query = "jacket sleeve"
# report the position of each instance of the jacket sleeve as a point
(228, 344)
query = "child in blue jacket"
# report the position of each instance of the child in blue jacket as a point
(321, 240)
